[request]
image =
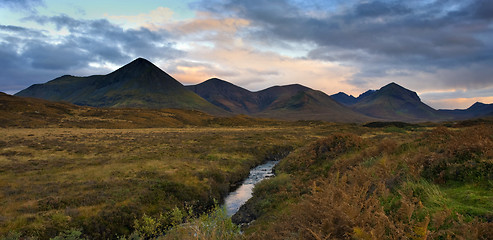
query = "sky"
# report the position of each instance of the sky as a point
(442, 49)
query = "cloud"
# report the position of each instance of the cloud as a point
(35, 56)
(256, 70)
(22, 5)
(193, 72)
(16, 30)
(152, 20)
(457, 103)
(205, 22)
(351, 45)
(379, 38)
(378, 9)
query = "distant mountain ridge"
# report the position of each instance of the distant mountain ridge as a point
(290, 102)
(396, 103)
(476, 110)
(349, 100)
(344, 99)
(141, 84)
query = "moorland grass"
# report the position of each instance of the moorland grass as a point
(101, 180)
(340, 181)
(434, 183)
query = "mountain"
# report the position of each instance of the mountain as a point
(349, 100)
(365, 94)
(344, 99)
(227, 96)
(474, 111)
(279, 96)
(480, 109)
(395, 103)
(307, 104)
(139, 84)
(290, 102)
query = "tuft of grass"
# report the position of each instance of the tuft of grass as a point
(472, 199)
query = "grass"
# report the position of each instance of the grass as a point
(470, 199)
(103, 174)
(429, 184)
(101, 180)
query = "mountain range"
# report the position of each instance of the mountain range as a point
(290, 102)
(393, 102)
(141, 84)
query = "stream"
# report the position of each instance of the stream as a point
(237, 198)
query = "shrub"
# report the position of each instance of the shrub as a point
(72, 234)
(464, 155)
(11, 236)
(214, 224)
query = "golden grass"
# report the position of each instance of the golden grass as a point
(52, 179)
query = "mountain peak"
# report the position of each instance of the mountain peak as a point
(395, 89)
(215, 81)
(392, 85)
(217, 84)
(397, 103)
(290, 87)
(365, 94)
(343, 98)
(226, 95)
(478, 104)
(142, 60)
(139, 63)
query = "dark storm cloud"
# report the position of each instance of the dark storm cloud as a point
(110, 42)
(377, 8)
(33, 56)
(6, 30)
(375, 36)
(480, 9)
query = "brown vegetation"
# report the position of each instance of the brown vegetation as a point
(348, 187)
(101, 180)
(112, 173)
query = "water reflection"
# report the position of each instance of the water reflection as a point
(236, 199)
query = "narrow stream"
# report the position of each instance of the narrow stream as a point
(236, 199)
